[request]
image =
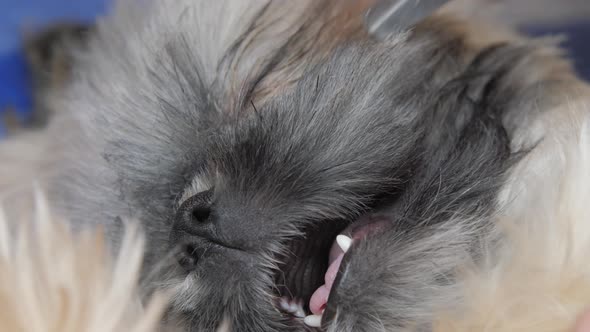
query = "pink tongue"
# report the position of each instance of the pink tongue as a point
(357, 231)
(318, 300)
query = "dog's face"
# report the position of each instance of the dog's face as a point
(276, 185)
(350, 150)
(400, 145)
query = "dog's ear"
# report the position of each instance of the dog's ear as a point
(521, 79)
(521, 82)
(49, 56)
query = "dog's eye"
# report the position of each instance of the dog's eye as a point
(199, 184)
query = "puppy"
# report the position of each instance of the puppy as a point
(247, 137)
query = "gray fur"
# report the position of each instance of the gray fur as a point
(411, 128)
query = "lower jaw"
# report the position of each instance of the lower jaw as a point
(314, 297)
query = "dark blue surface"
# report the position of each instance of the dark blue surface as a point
(577, 42)
(14, 85)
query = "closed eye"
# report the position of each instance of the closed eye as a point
(198, 184)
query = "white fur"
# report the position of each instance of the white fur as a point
(541, 281)
(52, 281)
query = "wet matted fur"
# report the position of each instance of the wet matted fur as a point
(292, 123)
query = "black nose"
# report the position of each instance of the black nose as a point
(195, 216)
(193, 228)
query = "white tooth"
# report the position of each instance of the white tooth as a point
(299, 312)
(344, 242)
(313, 320)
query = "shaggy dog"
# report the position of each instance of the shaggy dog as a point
(285, 164)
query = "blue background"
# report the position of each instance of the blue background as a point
(18, 16)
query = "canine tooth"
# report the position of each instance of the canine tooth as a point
(299, 312)
(313, 320)
(344, 242)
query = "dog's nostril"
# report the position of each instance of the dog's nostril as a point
(201, 214)
(187, 257)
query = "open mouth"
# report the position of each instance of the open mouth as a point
(308, 272)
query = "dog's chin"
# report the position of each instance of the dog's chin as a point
(310, 273)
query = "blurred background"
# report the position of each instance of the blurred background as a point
(20, 18)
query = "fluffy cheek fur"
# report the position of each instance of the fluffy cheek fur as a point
(537, 280)
(540, 281)
(433, 228)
